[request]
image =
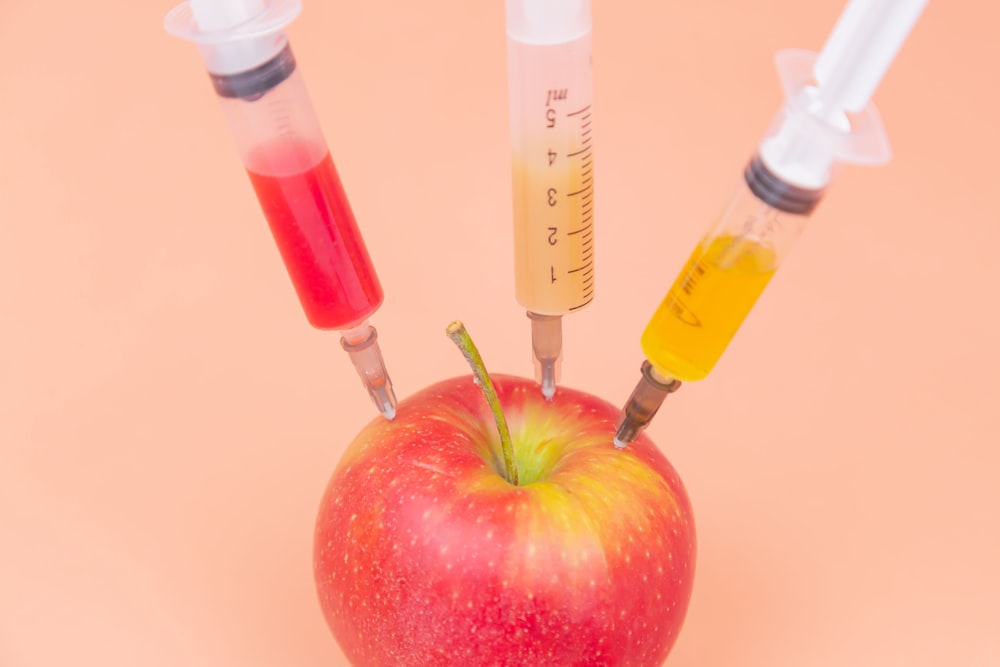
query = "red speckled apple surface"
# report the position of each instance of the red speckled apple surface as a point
(425, 554)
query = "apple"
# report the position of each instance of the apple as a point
(426, 555)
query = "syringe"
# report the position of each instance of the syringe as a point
(263, 96)
(551, 130)
(827, 119)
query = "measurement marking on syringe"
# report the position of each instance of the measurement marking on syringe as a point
(580, 152)
(580, 191)
(585, 303)
(577, 231)
(579, 111)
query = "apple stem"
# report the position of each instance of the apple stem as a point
(460, 336)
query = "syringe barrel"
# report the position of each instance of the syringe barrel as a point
(282, 147)
(551, 129)
(274, 109)
(725, 275)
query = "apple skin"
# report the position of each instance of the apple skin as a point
(425, 555)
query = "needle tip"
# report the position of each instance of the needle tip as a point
(548, 389)
(384, 398)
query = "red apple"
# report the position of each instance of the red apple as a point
(426, 555)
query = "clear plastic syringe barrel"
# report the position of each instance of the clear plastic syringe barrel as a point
(550, 94)
(725, 275)
(285, 155)
(279, 139)
(306, 208)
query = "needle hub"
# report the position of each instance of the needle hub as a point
(546, 346)
(361, 345)
(646, 399)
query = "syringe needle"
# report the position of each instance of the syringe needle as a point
(361, 345)
(546, 345)
(642, 405)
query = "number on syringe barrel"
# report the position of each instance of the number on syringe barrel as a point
(550, 122)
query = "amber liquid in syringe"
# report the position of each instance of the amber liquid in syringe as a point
(553, 182)
(707, 303)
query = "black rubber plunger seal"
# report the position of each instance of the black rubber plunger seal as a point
(776, 193)
(253, 83)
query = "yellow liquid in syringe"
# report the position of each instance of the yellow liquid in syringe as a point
(553, 230)
(706, 305)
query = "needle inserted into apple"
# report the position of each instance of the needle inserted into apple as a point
(489, 526)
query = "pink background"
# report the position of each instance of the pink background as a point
(168, 420)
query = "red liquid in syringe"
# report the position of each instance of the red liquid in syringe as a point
(316, 233)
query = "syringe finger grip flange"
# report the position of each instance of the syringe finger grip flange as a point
(253, 83)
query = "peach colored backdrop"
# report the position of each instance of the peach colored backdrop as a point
(168, 420)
